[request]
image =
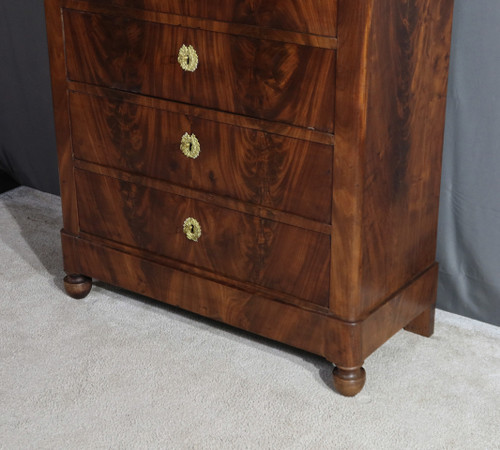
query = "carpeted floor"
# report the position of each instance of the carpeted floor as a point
(118, 371)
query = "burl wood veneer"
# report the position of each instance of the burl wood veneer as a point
(271, 165)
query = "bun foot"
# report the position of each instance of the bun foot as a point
(348, 382)
(77, 286)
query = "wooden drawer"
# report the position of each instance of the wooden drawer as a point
(259, 78)
(287, 174)
(307, 16)
(244, 247)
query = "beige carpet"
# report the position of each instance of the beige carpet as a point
(119, 371)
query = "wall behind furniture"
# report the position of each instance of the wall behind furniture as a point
(27, 139)
(469, 227)
(469, 216)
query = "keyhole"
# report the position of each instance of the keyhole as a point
(192, 229)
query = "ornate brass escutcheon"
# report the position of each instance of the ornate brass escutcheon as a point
(190, 146)
(192, 229)
(188, 58)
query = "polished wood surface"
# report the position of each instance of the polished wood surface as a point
(303, 328)
(237, 245)
(389, 134)
(413, 300)
(60, 103)
(259, 78)
(316, 332)
(424, 323)
(349, 381)
(233, 28)
(207, 197)
(402, 165)
(77, 286)
(318, 180)
(261, 168)
(309, 16)
(279, 128)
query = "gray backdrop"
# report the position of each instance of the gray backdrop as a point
(469, 221)
(468, 239)
(27, 140)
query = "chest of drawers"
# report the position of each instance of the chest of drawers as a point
(271, 165)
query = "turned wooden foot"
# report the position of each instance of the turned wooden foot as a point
(349, 381)
(423, 324)
(77, 286)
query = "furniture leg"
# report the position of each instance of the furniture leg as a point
(77, 286)
(348, 381)
(424, 323)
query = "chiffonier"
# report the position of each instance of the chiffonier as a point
(273, 165)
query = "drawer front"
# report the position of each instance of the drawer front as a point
(307, 16)
(265, 169)
(258, 78)
(244, 247)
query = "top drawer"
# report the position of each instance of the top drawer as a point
(305, 16)
(266, 79)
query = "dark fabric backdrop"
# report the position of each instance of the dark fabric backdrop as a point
(27, 140)
(469, 216)
(469, 227)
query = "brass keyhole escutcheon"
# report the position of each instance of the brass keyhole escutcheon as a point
(188, 58)
(190, 146)
(192, 229)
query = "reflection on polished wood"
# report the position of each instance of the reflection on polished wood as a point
(315, 190)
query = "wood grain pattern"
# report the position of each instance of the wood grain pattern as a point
(232, 244)
(207, 197)
(261, 168)
(265, 79)
(424, 323)
(349, 381)
(388, 147)
(77, 286)
(345, 343)
(60, 103)
(402, 165)
(233, 28)
(350, 142)
(181, 266)
(317, 333)
(408, 303)
(281, 129)
(308, 16)
(268, 260)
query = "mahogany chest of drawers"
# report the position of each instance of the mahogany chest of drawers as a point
(274, 165)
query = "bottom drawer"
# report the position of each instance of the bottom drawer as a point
(237, 245)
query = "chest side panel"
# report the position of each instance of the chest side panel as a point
(406, 102)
